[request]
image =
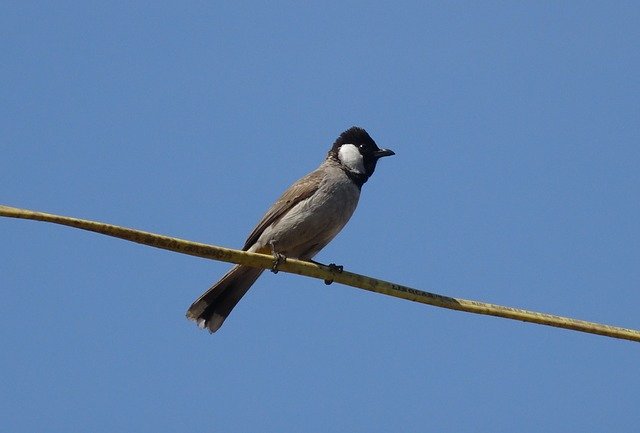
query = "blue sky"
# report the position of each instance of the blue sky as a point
(516, 127)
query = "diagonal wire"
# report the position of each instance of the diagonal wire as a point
(324, 273)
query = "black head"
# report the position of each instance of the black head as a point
(358, 153)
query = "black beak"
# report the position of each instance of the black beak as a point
(382, 153)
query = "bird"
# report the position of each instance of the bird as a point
(306, 217)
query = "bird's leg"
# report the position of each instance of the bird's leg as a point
(335, 269)
(278, 258)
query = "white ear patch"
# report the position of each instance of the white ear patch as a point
(351, 158)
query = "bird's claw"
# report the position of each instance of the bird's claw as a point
(335, 269)
(278, 259)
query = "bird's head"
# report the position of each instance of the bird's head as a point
(356, 151)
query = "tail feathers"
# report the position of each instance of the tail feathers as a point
(212, 308)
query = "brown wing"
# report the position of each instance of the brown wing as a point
(297, 192)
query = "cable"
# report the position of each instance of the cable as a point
(324, 273)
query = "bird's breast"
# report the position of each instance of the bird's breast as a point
(311, 224)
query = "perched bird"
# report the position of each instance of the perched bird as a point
(300, 223)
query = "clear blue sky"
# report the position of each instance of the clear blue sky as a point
(516, 181)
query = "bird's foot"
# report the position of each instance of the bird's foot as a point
(278, 258)
(335, 269)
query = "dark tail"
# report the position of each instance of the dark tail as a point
(210, 309)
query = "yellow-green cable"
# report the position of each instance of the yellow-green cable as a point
(324, 273)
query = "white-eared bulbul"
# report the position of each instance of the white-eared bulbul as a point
(300, 223)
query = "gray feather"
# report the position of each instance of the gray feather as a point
(212, 308)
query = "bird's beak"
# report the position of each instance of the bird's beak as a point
(383, 152)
